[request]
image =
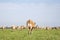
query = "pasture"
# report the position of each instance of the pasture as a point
(37, 34)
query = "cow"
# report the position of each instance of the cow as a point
(2, 27)
(30, 25)
(13, 27)
(48, 28)
(18, 27)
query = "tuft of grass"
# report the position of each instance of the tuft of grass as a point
(9, 34)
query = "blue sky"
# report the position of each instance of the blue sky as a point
(17, 12)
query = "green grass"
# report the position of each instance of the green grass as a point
(8, 34)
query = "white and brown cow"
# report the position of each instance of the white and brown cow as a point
(30, 25)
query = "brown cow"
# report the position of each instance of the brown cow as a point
(30, 25)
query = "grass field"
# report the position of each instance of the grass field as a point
(8, 34)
